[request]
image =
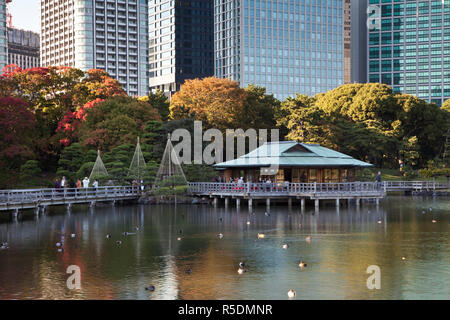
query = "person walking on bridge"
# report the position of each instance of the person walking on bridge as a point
(85, 182)
(378, 180)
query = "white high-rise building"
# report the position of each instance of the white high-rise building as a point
(3, 36)
(104, 34)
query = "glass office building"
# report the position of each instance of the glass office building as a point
(409, 47)
(287, 46)
(181, 42)
(3, 36)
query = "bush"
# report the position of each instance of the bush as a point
(85, 170)
(30, 173)
(165, 191)
(176, 180)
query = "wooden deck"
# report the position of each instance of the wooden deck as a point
(303, 191)
(349, 190)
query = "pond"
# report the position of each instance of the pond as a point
(178, 250)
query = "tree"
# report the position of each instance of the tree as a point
(17, 124)
(409, 151)
(425, 121)
(159, 101)
(97, 84)
(30, 173)
(259, 110)
(216, 102)
(446, 105)
(53, 94)
(367, 121)
(110, 123)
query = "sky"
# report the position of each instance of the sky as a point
(26, 14)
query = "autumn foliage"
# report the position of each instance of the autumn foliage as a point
(222, 104)
(17, 123)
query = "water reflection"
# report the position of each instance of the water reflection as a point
(344, 242)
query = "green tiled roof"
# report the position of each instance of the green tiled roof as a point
(295, 154)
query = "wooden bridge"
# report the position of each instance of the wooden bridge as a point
(411, 186)
(41, 198)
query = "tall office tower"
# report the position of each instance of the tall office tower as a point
(358, 45)
(287, 46)
(409, 47)
(347, 41)
(23, 48)
(3, 36)
(181, 42)
(104, 34)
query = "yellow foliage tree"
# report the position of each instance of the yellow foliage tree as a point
(217, 102)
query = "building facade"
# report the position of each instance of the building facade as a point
(180, 42)
(358, 43)
(23, 48)
(104, 34)
(409, 47)
(290, 46)
(3, 36)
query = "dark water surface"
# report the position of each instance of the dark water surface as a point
(344, 243)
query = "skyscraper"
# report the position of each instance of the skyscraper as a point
(409, 47)
(358, 44)
(181, 42)
(287, 46)
(105, 34)
(3, 37)
(23, 48)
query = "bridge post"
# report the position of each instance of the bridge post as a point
(226, 202)
(337, 203)
(302, 203)
(268, 202)
(15, 213)
(316, 204)
(250, 203)
(289, 202)
(358, 202)
(36, 211)
(215, 201)
(238, 202)
(377, 201)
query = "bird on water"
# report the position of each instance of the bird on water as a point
(291, 294)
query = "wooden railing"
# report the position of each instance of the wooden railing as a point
(66, 194)
(283, 188)
(415, 185)
(314, 188)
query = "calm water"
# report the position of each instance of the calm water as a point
(344, 243)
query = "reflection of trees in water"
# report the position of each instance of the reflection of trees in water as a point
(344, 243)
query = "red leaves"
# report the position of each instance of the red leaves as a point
(16, 128)
(72, 121)
(9, 70)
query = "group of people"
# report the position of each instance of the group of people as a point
(69, 183)
(140, 185)
(240, 180)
